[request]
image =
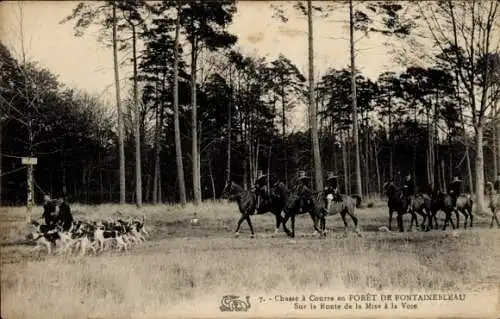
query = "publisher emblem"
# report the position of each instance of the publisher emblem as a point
(234, 303)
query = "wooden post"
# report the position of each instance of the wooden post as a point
(30, 162)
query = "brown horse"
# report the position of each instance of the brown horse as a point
(346, 206)
(421, 204)
(464, 206)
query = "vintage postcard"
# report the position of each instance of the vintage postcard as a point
(264, 159)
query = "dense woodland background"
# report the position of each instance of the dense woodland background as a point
(419, 121)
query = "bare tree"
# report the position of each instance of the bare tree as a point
(354, 100)
(465, 31)
(313, 118)
(178, 149)
(121, 147)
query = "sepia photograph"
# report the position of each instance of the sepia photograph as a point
(236, 159)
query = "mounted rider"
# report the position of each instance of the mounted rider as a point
(263, 185)
(409, 189)
(455, 189)
(409, 186)
(261, 188)
(302, 187)
(332, 186)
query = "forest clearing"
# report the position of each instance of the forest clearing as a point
(182, 262)
(143, 143)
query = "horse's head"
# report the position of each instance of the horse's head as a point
(388, 188)
(227, 189)
(231, 190)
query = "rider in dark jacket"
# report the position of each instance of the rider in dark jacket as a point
(302, 188)
(332, 187)
(261, 188)
(455, 189)
(409, 186)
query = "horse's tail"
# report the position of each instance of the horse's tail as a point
(358, 200)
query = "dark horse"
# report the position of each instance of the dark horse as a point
(421, 204)
(296, 205)
(247, 204)
(444, 202)
(399, 203)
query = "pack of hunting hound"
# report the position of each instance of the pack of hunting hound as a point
(72, 236)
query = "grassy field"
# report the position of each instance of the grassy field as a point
(189, 268)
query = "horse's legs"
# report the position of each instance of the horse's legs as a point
(315, 220)
(447, 217)
(293, 225)
(242, 218)
(400, 221)
(427, 215)
(283, 222)
(323, 225)
(471, 217)
(495, 216)
(413, 218)
(278, 222)
(436, 225)
(342, 214)
(390, 219)
(466, 215)
(250, 225)
(458, 217)
(353, 217)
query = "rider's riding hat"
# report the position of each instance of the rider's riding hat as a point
(301, 176)
(331, 176)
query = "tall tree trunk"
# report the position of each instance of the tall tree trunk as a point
(194, 126)
(229, 129)
(137, 126)
(157, 155)
(496, 141)
(430, 167)
(121, 145)
(354, 101)
(177, 130)
(344, 163)
(318, 172)
(479, 170)
(443, 175)
(367, 163)
(377, 168)
(391, 145)
(283, 131)
(0, 162)
(210, 173)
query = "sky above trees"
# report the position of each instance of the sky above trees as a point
(84, 63)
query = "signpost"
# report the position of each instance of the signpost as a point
(30, 162)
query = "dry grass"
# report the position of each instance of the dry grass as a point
(182, 263)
